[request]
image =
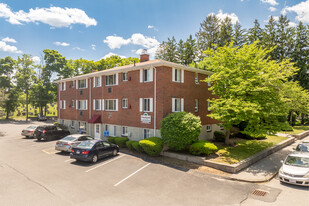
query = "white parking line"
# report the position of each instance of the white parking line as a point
(131, 175)
(105, 163)
(69, 160)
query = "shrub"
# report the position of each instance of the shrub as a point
(136, 146)
(180, 129)
(219, 136)
(152, 145)
(286, 127)
(251, 135)
(121, 141)
(203, 148)
(111, 140)
(129, 145)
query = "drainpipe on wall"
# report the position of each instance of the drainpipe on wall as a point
(89, 108)
(155, 102)
(58, 102)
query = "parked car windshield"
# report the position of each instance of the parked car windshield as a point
(31, 127)
(303, 147)
(297, 161)
(86, 145)
(69, 138)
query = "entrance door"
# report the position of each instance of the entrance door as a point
(97, 131)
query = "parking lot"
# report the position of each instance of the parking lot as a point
(36, 174)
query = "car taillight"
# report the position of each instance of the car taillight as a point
(72, 151)
(44, 131)
(57, 142)
(68, 144)
(85, 152)
(23, 131)
(31, 131)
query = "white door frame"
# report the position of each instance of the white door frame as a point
(97, 135)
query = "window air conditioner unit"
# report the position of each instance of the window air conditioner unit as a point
(81, 113)
(81, 92)
(109, 90)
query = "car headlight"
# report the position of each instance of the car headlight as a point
(307, 175)
(281, 171)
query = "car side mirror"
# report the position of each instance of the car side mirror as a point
(294, 148)
(281, 161)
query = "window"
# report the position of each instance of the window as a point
(72, 104)
(196, 105)
(114, 131)
(209, 83)
(111, 105)
(73, 84)
(125, 103)
(196, 78)
(146, 133)
(177, 104)
(124, 131)
(146, 75)
(208, 128)
(221, 127)
(111, 80)
(72, 124)
(62, 104)
(146, 104)
(97, 82)
(97, 104)
(82, 104)
(125, 76)
(82, 84)
(97, 128)
(178, 75)
(106, 127)
(208, 105)
(63, 86)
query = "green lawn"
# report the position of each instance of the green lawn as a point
(298, 130)
(245, 149)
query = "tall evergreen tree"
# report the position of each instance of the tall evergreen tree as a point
(167, 50)
(254, 33)
(190, 50)
(226, 32)
(239, 37)
(269, 37)
(180, 52)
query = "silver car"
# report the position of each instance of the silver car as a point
(303, 147)
(66, 143)
(295, 169)
(29, 131)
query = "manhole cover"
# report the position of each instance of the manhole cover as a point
(260, 193)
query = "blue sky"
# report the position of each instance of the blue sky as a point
(94, 29)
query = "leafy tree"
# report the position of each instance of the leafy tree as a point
(25, 76)
(239, 37)
(180, 129)
(208, 34)
(255, 33)
(226, 32)
(247, 84)
(10, 103)
(113, 61)
(56, 63)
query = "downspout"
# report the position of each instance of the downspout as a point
(90, 98)
(155, 103)
(58, 101)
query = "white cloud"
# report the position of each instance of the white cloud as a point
(272, 9)
(115, 42)
(61, 43)
(292, 24)
(271, 2)
(53, 16)
(36, 60)
(8, 39)
(152, 27)
(151, 51)
(8, 48)
(112, 54)
(78, 48)
(301, 9)
(276, 18)
(93, 47)
(222, 16)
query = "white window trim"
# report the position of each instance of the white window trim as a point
(122, 106)
(141, 103)
(116, 105)
(86, 104)
(95, 82)
(196, 105)
(72, 124)
(99, 104)
(182, 77)
(145, 133)
(63, 86)
(196, 78)
(125, 80)
(208, 128)
(73, 104)
(181, 104)
(141, 75)
(86, 84)
(124, 134)
(116, 80)
(62, 104)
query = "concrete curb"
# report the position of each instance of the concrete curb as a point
(234, 168)
(301, 135)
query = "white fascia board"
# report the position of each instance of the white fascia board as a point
(137, 67)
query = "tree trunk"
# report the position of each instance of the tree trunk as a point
(7, 113)
(227, 138)
(45, 110)
(302, 118)
(26, 105)
(291, 118)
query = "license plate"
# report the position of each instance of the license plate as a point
(77, 152)
(292, 181)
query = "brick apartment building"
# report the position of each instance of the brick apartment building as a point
(132, 100)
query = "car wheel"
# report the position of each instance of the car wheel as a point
(39, 138)
(115, 152)
(94, 158)
(27, 137)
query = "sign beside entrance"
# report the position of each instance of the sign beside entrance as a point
(145, 118)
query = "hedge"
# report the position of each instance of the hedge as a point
(129, 145)
(219, 136)
(111, 140)
(286, 127)
(121, 141)
(203, 148)
(136, 146)
(152, 145)
(180, 129)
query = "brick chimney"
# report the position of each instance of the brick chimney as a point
(144, 56)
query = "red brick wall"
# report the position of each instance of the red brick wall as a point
(133, 90)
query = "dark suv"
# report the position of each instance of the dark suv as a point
(50, 132)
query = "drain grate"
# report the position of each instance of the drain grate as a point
(260, 193)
